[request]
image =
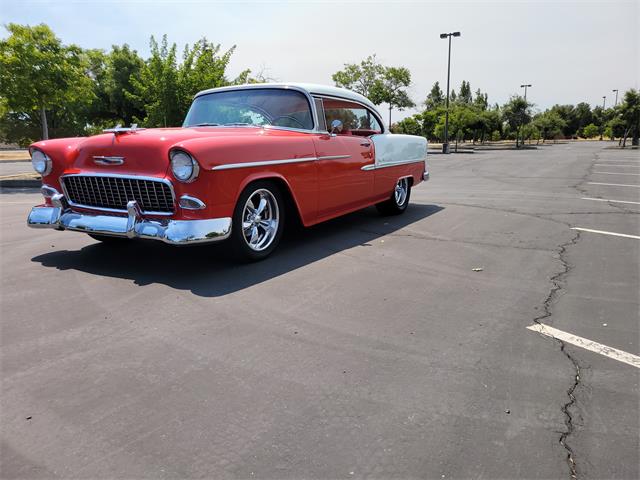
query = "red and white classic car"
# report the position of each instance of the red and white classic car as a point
(245, 157)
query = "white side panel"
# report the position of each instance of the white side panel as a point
(392, 148)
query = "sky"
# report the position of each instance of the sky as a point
(569, 51)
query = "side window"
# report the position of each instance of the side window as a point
(356, 119)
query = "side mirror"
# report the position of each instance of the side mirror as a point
(336, 126)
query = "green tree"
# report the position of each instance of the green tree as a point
(568, 115)
(156, 90)
(360, 77)
(583, 117)
(616, 126)
(590, 131)
(203, 66)
(390, 88)
(550, 124)
(39, 75)
(122, 66)
(409, 126)
(435, 98)
(430, 119)
(516, 112)
(630, 113)
(463, 120)
(465, 93)
(481, 100)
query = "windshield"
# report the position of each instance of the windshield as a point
(253, 107)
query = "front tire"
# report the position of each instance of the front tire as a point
(399, 200)
(258, 221)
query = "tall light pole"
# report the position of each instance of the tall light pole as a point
(525, 86)
(604, 104)
(616, 92)
(445, 145)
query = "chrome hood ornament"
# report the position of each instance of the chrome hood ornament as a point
(119, 129)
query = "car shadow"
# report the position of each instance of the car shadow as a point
(208, 271)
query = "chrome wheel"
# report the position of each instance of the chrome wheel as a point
(260, 219)
(402, 188)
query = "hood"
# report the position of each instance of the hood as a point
(146, 151)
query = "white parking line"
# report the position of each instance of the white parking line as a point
(620, 355)
(615, 165)
(613, 184)
(617, 173)
(606, 233)
(609, 200)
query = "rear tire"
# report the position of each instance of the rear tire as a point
(258, 221)
(399, 200)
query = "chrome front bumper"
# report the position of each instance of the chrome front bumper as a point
(175, 232)
(425, 176)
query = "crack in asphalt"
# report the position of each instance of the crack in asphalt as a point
(557, 280)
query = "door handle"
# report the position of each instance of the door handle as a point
(365, 144)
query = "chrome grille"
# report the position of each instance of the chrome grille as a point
(113, 193)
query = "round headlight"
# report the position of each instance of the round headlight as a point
(41, 162)
(183, 166)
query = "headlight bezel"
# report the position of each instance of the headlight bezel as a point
(48, 164)
(195, 167)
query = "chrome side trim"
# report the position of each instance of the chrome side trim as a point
(117, 175)
(229, 166)
(262, 163)
(333, 157)
(134, 225)
(391, 164)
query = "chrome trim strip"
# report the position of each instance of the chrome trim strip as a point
(373, 166)
(333, 157)
(175, 232)
(104, 160)
(117, 175)
(200, 204)
(229, 166)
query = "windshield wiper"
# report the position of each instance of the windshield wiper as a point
(205, 124)
(236, 124)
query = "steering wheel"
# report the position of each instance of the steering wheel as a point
(289, 117)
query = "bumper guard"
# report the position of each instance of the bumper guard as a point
(175, 232)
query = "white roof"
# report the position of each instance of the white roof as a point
(310, 88)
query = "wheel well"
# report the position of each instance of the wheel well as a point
(291, 206)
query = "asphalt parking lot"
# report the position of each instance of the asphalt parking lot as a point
(365, 347)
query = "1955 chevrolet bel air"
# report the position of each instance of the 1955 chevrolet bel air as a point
(245, 157)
